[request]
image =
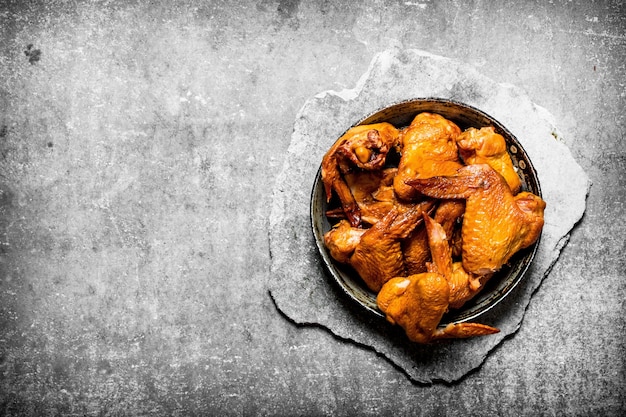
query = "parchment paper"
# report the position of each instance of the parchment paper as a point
(299, 285)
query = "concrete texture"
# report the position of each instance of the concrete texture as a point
(139, 143)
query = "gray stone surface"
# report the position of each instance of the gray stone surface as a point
(299, 284)
(139, 148)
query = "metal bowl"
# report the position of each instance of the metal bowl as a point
(465, 116)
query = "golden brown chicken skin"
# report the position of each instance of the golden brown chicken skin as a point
(416, 251)
(485, 146)
(418, 302)
(416, 247)
(361, 147)
(428, 149)
(496, 224)
(342, 239)
(373, 192)
(378, 256)
(463, 285)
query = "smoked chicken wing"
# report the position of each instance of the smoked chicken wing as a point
(428, 149)
(342, 239)
(361, 147)
(463, 285)
(378, 256)
(496, 224)
(372, 192)
(485, 146)
(418, 302)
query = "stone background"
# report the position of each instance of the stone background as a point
(139, 144)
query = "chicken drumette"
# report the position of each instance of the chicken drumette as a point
(428, 149)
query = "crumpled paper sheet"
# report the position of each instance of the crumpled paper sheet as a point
(299, 285)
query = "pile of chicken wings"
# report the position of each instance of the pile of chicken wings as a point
(426, 215)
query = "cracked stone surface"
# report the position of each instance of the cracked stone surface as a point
(299, 285)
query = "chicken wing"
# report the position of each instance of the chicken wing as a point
(342, 239)
(378, 256)
(418, 302)
(463, 285)
(485, 146)
(364, 147)
(428, 149)
(372, 192)
(496, 224)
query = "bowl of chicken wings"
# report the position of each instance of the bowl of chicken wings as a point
(427, 213)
